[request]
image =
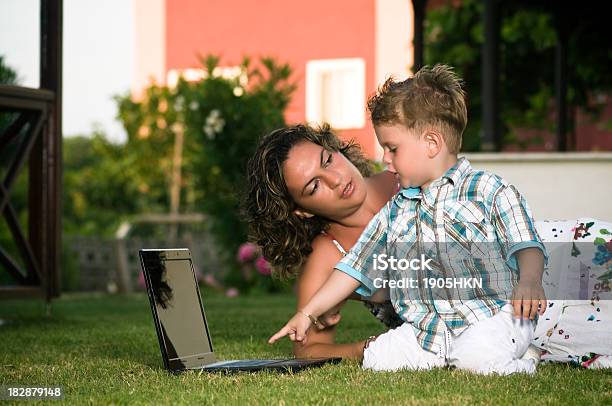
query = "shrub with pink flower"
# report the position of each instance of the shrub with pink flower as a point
(247, 252)
(250, 258)
(263, 266)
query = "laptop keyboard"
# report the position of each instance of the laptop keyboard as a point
(247, 363)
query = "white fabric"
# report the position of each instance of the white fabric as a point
(495, 345)
(604, 361)
(575, 330)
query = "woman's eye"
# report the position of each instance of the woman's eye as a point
(315, 187)
(392, 149)
(329, 160)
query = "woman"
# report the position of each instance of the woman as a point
(310, 196)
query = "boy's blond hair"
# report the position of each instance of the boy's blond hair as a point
(432, 98)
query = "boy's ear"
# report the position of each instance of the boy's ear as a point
(303, 214)
(434, 141)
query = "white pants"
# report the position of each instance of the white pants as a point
(494, 345)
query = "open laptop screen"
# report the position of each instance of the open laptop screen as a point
(180, 320)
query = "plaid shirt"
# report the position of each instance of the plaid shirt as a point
(470, 223)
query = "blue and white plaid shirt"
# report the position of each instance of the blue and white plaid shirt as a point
(470, 223)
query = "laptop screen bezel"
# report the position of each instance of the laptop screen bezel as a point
(176, 364)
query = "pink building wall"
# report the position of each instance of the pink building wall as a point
(173, 32)
(291, 31)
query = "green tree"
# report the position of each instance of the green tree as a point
(222, 118)
(7, 75)
(103, 186)
(454, 35)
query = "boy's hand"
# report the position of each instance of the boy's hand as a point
(295, 328)
(528, 299)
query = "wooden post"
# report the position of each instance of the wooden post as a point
(561, 82)
(175, 187)
(490, 76)
(418, 7)
(124, 278)
(51, 21)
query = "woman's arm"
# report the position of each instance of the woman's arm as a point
(316, 271)
(334, 290)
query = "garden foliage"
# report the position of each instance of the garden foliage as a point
(528, 37)
(222, 116)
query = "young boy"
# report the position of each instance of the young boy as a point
(468, 229)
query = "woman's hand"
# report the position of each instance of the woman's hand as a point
(337, 287)
(332, 317)
(295, 328)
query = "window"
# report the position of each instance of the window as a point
(335, 92)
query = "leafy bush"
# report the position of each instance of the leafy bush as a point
(222, 119)
(454, 35)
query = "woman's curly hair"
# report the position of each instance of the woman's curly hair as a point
(285, 238)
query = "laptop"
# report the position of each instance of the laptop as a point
(180, 321)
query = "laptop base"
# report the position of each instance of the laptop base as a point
(279, 365)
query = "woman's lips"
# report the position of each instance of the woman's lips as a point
(348, 190)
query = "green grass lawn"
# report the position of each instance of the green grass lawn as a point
(103, 349)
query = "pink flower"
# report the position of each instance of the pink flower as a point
(232, 292)
(210, 280)
(263, 266)
(247, 252)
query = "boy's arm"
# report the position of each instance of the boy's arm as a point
(315, 272)
(337, 288)
(525, 252)
(352, 272)
(529, 293)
